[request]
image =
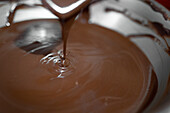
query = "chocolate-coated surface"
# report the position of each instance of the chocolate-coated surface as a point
(64, 8)
(104, 72)
(108, 74)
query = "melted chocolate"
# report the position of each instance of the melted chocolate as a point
(64, 8)
(67, 12)
(105, 57)
(105, 72)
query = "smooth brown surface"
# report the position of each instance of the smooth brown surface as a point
(108, 74)
(64, 3)
(105, 72)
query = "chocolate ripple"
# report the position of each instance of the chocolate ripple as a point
(109, 74)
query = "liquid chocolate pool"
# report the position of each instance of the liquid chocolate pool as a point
(106, 73)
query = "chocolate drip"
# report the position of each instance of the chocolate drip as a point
(161, 29)
(153, 38)
(157, 9)
(72, 8)
(158, 27)
(163, 32)
(126, 13)
(66, 25)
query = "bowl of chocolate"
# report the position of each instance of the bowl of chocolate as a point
(84, 56)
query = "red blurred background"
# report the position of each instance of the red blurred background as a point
(165, 3)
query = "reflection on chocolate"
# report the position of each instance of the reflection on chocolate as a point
(110, 75)
(104, 72)
(40, 37)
